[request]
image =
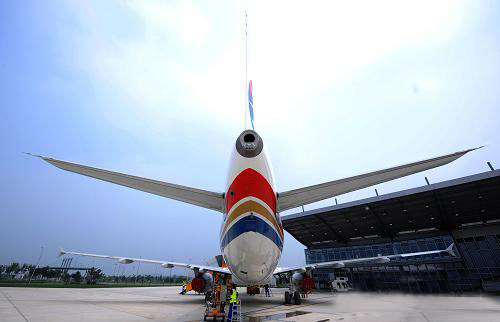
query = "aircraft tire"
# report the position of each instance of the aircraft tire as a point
(296, 298)
(288, 298)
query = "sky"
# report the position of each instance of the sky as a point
(157, 89)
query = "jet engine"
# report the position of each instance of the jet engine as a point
(302, 282)
(202, 283)
(307, 284)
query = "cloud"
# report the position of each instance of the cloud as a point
(170, 73)
(183, 18)
(146, 72)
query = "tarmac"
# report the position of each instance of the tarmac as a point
(165, 304)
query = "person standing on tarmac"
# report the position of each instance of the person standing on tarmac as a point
(183, 290)
(266, 287)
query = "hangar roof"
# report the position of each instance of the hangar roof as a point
(445, 205)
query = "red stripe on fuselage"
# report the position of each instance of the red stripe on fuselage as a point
(250, 183)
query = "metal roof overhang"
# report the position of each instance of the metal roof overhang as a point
(441, 206)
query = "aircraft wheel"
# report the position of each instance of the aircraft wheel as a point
(296, 298)
(288, 298)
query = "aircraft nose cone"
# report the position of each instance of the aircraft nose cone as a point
(249, 144)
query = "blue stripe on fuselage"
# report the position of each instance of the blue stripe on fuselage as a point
(251, 223)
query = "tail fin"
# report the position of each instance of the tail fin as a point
(250, 102)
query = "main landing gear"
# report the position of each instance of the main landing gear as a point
(292, 297)
(300, 285)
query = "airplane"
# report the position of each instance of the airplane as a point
(251, 234)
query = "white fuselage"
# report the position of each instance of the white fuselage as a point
(251, 232)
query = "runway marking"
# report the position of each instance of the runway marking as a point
(425, 316)
(12, 303)
(411, 307)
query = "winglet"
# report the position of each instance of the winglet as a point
(61, 252)
(48, 159)
(34, 155)
(450, 251)
(479, 147)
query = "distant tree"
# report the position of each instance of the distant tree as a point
(31, 268)
(27, 266)
(53, 273)
(93, 275)
(44, 271)
(12, 268)
(77, 277)
(66, 278)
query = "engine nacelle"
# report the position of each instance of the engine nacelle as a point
(301, 282)
(308, 284)
(297, 279)
(202, 283)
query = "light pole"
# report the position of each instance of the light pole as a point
(137, 273)
(37, 262)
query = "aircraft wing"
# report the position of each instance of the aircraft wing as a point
(302, 196)
(198, 197)
(164, 264)
(355, 261)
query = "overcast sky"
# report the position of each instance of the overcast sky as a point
(156, 89)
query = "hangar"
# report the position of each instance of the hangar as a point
(464, 211)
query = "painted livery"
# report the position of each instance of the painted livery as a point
(251, 236)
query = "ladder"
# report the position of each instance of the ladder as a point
(236, 314)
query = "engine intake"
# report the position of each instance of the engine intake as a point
(198, 284)
(202, 283)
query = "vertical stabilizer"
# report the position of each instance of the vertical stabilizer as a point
(250, 102)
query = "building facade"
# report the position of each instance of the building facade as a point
(476, 266)
(463, 211)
